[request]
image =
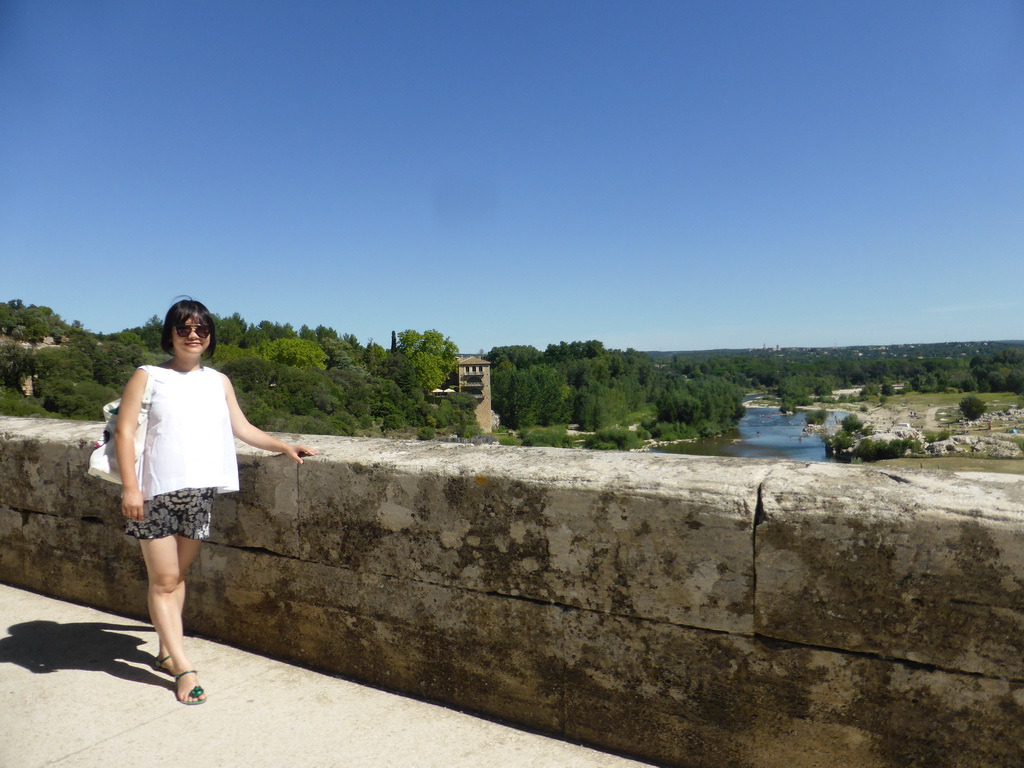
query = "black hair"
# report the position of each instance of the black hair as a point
(180, 311)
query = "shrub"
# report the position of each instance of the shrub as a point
(840, 441)
(817, 416)
(852, 424)
(972, 407)
(876, 450)
(14, 404)
(670, 430)
(554, 437)
(612, 439)
(78, 400)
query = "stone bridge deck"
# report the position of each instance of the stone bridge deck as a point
(76, 690)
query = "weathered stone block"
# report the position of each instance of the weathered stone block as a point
(89, 497)
(272, 604)
(915, 565)
(656, 536)
(44, 465)
(698, 699)
(486, 653)
(81, 561)
(35, 459)
(482, 652)
(264, 512)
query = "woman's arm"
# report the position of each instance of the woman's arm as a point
(255, 437)
(124, 443)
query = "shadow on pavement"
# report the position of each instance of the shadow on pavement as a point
(47, 646)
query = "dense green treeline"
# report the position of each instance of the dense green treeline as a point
(692, 395)
(799, 380)
(599, 390)
(314, 381)
(929, 351)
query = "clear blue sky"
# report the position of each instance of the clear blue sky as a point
(656, 175)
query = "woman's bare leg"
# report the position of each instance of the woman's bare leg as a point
(187, 551)
(179, 598)
(167, 561)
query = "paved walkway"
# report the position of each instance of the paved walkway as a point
(76, 690)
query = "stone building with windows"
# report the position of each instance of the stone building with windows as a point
(474, 378)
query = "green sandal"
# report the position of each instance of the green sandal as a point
(196, 692)
(158, 665)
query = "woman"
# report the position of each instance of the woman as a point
(189, 456)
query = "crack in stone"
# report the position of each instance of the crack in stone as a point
(759, 517)
(874, 656)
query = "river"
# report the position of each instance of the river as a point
(763, 433)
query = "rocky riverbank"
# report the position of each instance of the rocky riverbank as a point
(997, 435)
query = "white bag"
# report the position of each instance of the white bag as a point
(103, 461)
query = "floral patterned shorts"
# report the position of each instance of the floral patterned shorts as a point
(184, 513)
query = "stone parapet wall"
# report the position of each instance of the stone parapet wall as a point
(690, 611)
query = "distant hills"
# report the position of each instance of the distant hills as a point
(948, 350)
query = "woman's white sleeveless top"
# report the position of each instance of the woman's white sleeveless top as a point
(189, 443)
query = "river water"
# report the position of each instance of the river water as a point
(763, 433)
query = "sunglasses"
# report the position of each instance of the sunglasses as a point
(202, 331)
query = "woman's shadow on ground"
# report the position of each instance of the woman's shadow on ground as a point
(47, 646)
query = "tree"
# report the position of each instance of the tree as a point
(531, 396)
(228, 352)
(267, 331)
(972, 407)
(114, 362)
(519, 356)
(397, 368)
(58, 364)
(574, 350)
(231, 330)
(77, 399)
(513, 397)
(298, 353)
(432, 355)
(16, 364)
(590, 409)
(340, 353)
(373, 356)
(31, 323)
(553, 404)
(151, 332)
